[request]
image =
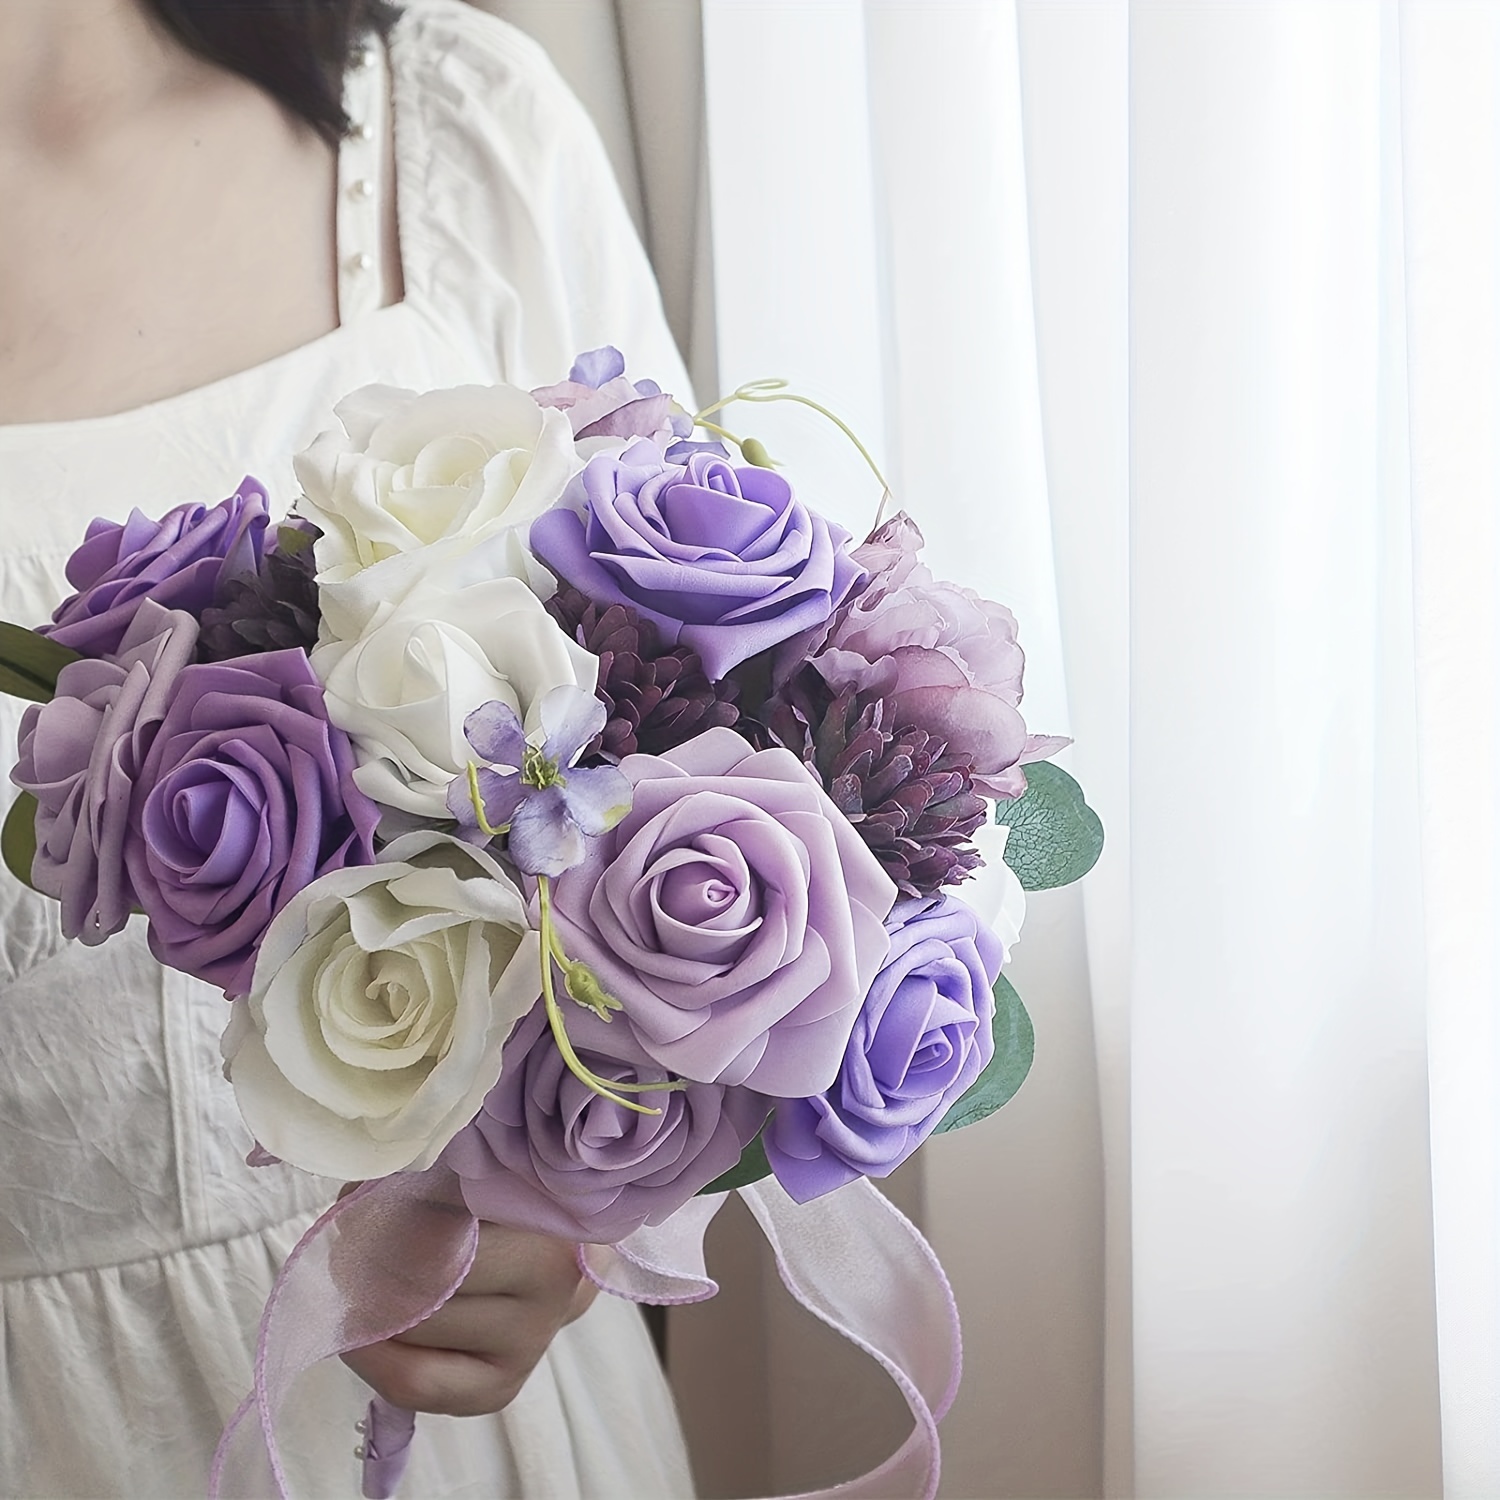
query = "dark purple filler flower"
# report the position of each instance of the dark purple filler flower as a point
(183, 561)
(245, 797)
(720, 558)
(274, 609)
(547, 1153)
(656, 696)
(923, 1036)
(910, 797)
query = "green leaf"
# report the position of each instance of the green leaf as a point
(1055, 836)
(1015, 1042)
(751, 1167)
(29, 663)
(18, 838)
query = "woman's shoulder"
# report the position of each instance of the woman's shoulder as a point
(478, 75)
(511, 221)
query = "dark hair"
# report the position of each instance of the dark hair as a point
(296, 50)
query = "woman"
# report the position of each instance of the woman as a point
(203, 250)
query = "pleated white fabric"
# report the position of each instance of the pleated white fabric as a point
(136, 1248)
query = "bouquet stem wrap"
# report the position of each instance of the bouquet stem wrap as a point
(851, 1258)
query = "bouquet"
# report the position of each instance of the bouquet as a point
(580, 826)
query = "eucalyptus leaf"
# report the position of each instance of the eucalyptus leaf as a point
(1055, 836)
(18, 838)
(29, 663)
(751, 1167)
(293, 541)
(1015, 1043)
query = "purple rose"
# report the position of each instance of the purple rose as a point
(721, 558)
(79, 756)
(546, 1153)
(734, 913)
(245, 797)
(943, 658)
(602, 403)
(181, 561)
(922, 1037)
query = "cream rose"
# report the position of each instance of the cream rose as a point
(381, 1000)
(403, 688)
(410, 472)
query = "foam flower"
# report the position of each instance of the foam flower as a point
(545, 804)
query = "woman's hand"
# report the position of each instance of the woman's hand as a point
(474, 1353)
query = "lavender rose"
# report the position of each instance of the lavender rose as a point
(720, 558)
(734, 913)
(546, 1153)
(943, 659)
(922, 1037)
(183, 561)
(245, 797)
(79, 756)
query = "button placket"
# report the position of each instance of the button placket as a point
(358, 213)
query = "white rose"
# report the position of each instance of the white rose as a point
(403, 688)
(415, 471)
(381, 1000)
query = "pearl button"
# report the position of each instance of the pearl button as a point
(362, 187)
(361, 262)
(365, 58)
(362, 132)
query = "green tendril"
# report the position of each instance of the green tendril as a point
(776, 390)
(478, 801)
(599, 1001)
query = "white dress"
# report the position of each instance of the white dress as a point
(136, 1247)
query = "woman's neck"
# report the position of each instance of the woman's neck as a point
(69, 68)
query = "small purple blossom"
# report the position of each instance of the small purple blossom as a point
(546, 806)
(182, 561)
(601, 402)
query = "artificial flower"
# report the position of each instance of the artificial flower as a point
(546, 1153)
(183, 561)
(921, 1038)
(380, 1004)
(721, 558)
(548, 806)
(80, 756)
(405, 686)
(734, 915)
(656, 696)
(245, 797)
(941, 656)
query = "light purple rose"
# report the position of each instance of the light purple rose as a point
(601, 402)
(181, 561)
(721, 558)
(79, 757)
(548, 1154)
(245, 797)
(734, 913)
(943, 658)
(923, 1036)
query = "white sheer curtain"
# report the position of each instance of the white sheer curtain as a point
(1177, 325)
